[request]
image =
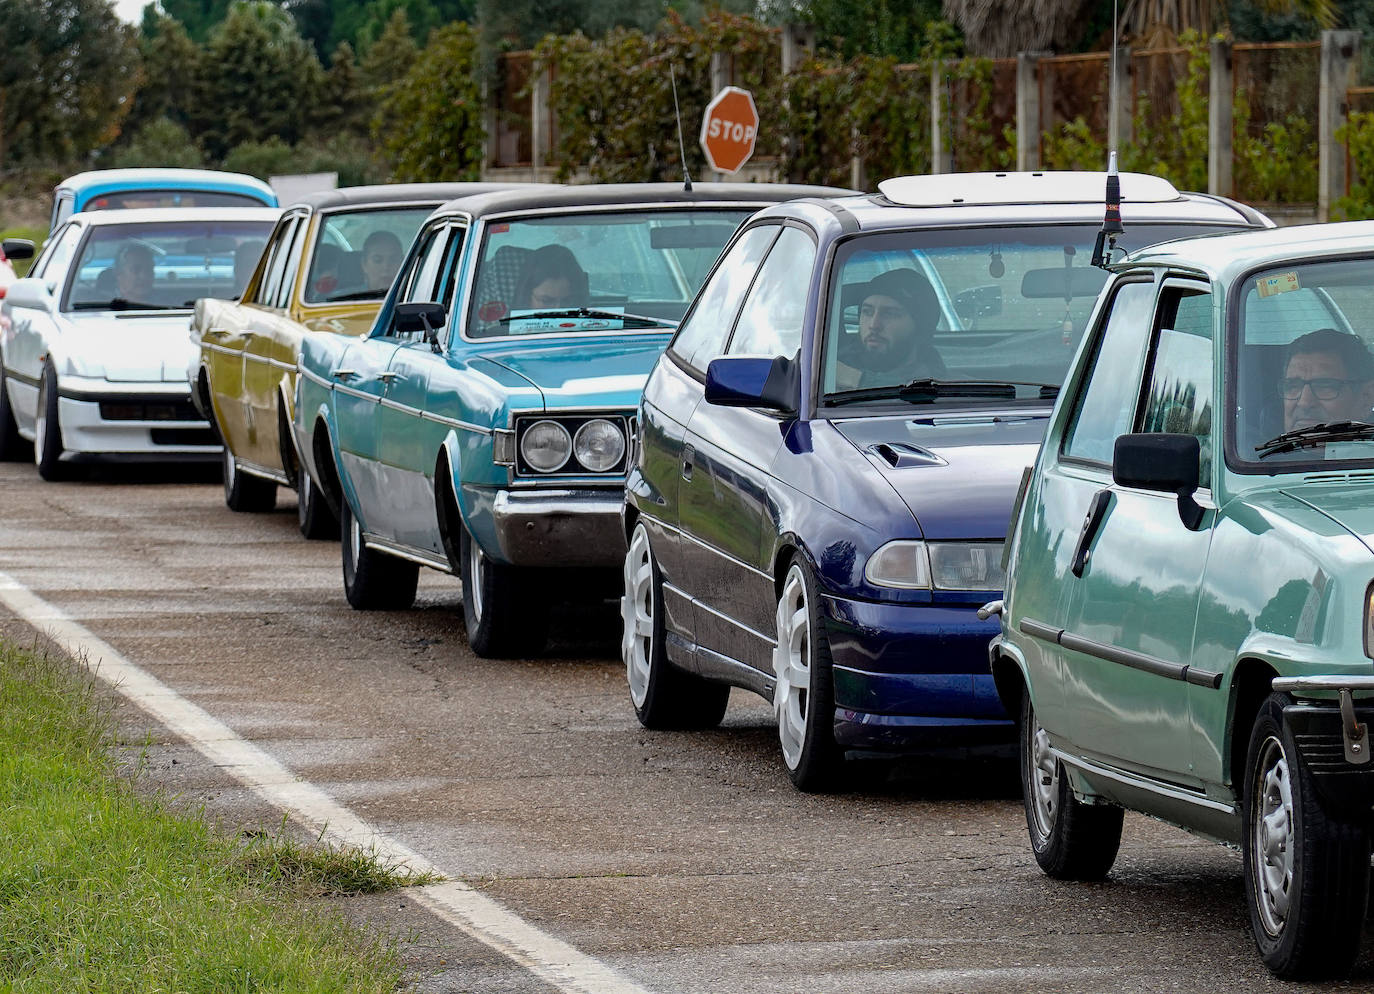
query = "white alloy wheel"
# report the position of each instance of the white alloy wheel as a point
(355, 539)
(792, 664)
(40, 432)
(476, 568)
(1273, 837)
(637, 615)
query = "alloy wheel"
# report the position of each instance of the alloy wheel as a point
(476, 567)
(792, 664)
(637, 615)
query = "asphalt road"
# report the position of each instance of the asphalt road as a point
(684, 861)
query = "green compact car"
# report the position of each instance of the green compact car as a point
(1188, 618)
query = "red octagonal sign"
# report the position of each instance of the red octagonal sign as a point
(729, 129)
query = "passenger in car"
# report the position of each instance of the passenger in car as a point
(898, 313)
(551, 278)
(381, 259)
(133, 272)
(1328, 376)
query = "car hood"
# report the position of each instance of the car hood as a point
(1350, 505)
(593, 372)
(958, 474)
(129, 347)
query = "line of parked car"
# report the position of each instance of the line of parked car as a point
(908, 465)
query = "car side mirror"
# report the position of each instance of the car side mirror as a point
(749, 381)
(17, 248)
(32, 293)
(421, 316)
(1167, 463)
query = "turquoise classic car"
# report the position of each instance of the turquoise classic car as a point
(1188, 620)
(118, 189)
(483, 427)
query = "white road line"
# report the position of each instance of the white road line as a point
(487, 921)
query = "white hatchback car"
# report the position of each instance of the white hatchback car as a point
(94, 346)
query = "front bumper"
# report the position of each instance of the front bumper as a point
(566, 527)
(151, 424)
(1333, 737)
(912, 675)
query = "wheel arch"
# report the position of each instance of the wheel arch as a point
(448, 509)
(1250, 686)
(286, 439)
(1009, 676)
(327, 473)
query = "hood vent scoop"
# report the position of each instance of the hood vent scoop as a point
(900, 455)
(1339, 478)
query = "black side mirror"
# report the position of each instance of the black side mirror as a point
(17, 248)
(748, 381)
(1167, 463)
(421, 316)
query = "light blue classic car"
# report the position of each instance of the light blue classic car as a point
(483, 427)
(117, 189)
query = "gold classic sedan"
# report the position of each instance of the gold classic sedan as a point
(326, 267)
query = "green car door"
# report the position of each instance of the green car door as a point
(1136, 566)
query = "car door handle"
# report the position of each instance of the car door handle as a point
(1092, 521)
(688, 454)
(386, 376)
(343, 374)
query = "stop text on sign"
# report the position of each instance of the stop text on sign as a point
(729, 129)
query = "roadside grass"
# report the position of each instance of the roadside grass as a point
(105, 889)
(35, 235)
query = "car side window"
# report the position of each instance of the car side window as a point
(59, 254)
(1178, 398)
(293, 263)
(418, 282)
(770, 323)
(1100, 413)
(706, 329)
(277, 250)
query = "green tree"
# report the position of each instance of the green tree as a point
(66, 78)
(258, 78)
(199, 17)
(895, 28)
(390, 57)
(171, 61)
(162, 142)
(430, 123)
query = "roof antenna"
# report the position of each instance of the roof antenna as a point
(1111, 219)
(681, 148)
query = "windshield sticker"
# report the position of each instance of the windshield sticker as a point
(1268, 286)
(536, 321)
(1350, 450)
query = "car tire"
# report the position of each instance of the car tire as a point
(664, 696)
(47, 430)
(374, 581)
(804, 698)
(1306, 870)
(243, 491)
(313, 516)
(13, 448)
(1071, 840)
(505, 608)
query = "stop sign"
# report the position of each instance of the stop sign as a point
(729, 128)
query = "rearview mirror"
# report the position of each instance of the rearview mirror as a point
(17, 248)
(749, 381)
(1062, 282)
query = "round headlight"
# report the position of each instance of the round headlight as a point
(599, 445)
(545, 446)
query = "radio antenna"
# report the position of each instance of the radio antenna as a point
(681, 148)
(1111, 219)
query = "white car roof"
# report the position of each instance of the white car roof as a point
(180, 215)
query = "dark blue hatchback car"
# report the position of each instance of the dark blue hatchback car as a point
(829, 451)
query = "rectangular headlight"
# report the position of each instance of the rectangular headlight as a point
(966, 565)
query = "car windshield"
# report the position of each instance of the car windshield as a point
(358, 252)
(614, 270)
(164, 264)
(1302, 367)
(940, 315)
(129, 199)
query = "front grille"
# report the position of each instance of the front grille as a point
(159, 410)
(184, 436)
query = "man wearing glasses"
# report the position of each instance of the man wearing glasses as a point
(1329, 377)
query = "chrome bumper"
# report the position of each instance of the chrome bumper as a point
(559, 527)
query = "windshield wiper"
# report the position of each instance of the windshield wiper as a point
(1318, 434)
(119, 304)
(588, 312)
(927, 389)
